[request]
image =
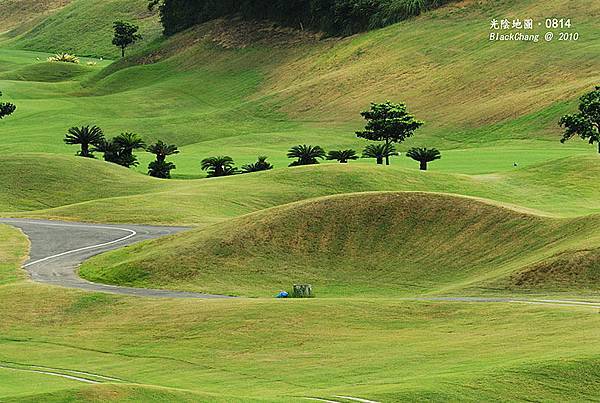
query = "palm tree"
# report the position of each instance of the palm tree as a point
(342, 156)
(161, 169)
(424, 155)
(85, 136)
(379, 151)
(306, 155)
(110, 150)
(219, 166)
(127, 143)
(162, 150)
(260, 165)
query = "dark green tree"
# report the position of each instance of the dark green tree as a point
(261, 165)
(305, 155)
(390, 123)
(343, 156)
(161, 169)
(86, 137)
(585, 123)
(6, 108)
(336, 17)
(125, 35)
(424, 156)
(219, 166)
(127, 144)
(162, 150)
(109, 149)
(379, 151)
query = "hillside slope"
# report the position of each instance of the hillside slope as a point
(370, 244)
(21, 14)
(539, 189)
(244, 89)
(38, 181)
(78, 26)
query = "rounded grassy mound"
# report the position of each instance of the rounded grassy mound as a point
(359, 244)
(38, 181)
(566, 271)
(49, 72)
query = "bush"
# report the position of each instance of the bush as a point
(335, 17)
(64, 58)
(260, 165)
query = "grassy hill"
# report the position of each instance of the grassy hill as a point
(366, 236)
(39, 181)
(381, 349)
(21, 14)
(372, 244)
(539, 189)
(242, 89)
(77, 26)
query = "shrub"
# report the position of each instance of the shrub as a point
(343, 156)
(260, 165)
(64, 58)
(161, 169)
(219, 166)
(306, 155)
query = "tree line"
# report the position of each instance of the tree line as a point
(387, 124)
(120, 149)
(335, 17)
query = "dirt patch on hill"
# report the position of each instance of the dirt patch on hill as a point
(239, 34)
(233, 34)
(17, 12)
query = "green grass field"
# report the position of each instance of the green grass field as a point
(369, 238)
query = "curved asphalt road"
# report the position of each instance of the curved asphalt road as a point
(58, 248)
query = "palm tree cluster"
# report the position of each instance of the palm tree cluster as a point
(388, 123)
(120, 149)
(225, 166)
(310, 155)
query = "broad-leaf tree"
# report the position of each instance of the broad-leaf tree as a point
(379, 151)
(6, 108)
(126, 34)
(86, 137)
(305, 155)
(390, 123)
(162, 150)
(261, 165)
(219, 166)
(343, 156)
(424, 156)
(585, 123)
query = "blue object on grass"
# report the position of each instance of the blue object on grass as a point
(283, 294)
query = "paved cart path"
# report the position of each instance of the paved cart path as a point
(58, 248)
